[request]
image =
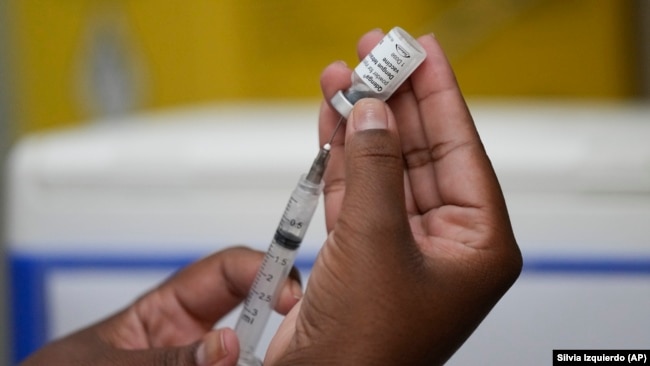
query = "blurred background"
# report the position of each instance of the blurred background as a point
(67, 67)
(69, 62)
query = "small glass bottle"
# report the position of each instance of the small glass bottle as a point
(382, 71)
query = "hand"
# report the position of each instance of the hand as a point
(420, 246)
(173, 324)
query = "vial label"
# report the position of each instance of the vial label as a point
(384, 64)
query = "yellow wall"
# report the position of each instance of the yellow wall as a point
(577, 48)
(181, 52)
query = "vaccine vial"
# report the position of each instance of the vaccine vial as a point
(382, 71)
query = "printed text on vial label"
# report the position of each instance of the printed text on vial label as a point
(382, 65)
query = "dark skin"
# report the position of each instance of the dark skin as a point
(420, 248)
(172, 324)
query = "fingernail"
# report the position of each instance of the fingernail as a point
(341, 62)
(369, 114)
(296, 290)
(201, 357)
(212, 350)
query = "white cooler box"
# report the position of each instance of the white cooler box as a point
(98, 215)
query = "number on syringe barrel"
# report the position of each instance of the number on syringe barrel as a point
(250, 317)
(280, 260)
(291, 222)
(271, 259)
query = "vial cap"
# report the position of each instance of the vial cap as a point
(341, 104)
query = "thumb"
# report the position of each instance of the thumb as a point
(373, 221)
(373, 164)
(216, 348)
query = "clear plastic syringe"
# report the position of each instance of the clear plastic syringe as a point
(279, 259)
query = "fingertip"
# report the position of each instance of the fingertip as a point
(429, 37)
(289, 296)
(336, 76)
(369, 114)
(434, 50)
(335, 66)
(372, 35)
(218, 348)
(296, 290)
(435, 73)
(230, 344)
(368, 41)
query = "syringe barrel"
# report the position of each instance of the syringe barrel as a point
(275, 267)
(300, 209)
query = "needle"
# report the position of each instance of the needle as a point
(320, 163)
(328, 145)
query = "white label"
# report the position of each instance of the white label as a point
(383, 69)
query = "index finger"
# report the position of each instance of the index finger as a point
(210, 288)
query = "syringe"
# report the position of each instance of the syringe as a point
(279, 258)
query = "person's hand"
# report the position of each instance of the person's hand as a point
(173, 324)
(420, 246)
